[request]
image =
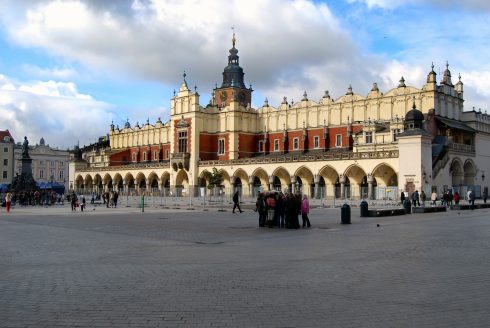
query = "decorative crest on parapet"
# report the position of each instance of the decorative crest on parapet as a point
(182, 123)
(402, 83)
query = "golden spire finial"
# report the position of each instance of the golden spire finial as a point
(233, 40)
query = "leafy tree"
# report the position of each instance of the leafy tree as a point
(216, 179)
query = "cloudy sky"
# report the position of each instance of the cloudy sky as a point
(69, 68)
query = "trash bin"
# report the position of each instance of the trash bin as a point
(364, 209)
(345, 214)
(407, 205)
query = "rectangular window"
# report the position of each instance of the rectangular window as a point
(276, 144)
(261, 146)
(166, 154)
(221, 146)
(396, 132)
(41, 163)
(62, 175)
(5, 174)
(295, 143)
(134, 157)
(62, 163)
(5, 149)
(41, 174)
(369, 137)
(5, 162)
(316, 142)
(183, 141)
(155, 155)
(338, 140)
(144, 155)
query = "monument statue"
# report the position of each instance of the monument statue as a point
(25, 148)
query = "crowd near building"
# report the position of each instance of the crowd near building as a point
(369, 146)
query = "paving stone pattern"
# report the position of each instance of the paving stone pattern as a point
(169, 268)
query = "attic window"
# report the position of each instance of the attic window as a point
(6, 138)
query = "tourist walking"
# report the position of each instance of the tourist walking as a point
(8, 201)
(83, 203)
(456, 198)
(402, 197)
(305, 209)
(73, 201)
(415, 198)
(485, 196)
(433, 198)
(236, 202)
(423, 198)
(472, 199)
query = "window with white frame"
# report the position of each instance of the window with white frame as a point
(221, 146)
(5, 161)
(261, 146)
(338, 140)
(276, 144)
(396, 132)
(5, 174)
(295, 143)
(368, 137)
(41, 174)
(62, 174)
(316, 142)
(5, 149)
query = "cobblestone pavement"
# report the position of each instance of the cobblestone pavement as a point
(195, 268)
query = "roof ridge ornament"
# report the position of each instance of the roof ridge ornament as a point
(402, 83)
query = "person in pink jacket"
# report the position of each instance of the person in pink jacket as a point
(305, 209)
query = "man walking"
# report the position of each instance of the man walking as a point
(236, 202)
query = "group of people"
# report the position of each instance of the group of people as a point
(448, 198)
(109, 198)
(415, 198)
(280, 210)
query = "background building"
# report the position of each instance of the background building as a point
(353, 146)
(49, 165)
(6, 158)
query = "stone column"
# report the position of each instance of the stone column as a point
(293, 184)
(370, 186)
(342, 186)
(317, 186)
(250, 185)
(271, 182)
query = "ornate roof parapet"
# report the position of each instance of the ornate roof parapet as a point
(446, 78)
(349, 90)
(432, 76)
(305, 96)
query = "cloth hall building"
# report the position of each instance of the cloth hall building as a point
(356, 146)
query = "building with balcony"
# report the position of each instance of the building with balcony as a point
(354, 146)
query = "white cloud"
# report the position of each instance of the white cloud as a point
(53, 110)
(285, 46)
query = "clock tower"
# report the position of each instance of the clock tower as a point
(233, 88)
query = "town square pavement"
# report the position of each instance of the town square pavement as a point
(169, 267)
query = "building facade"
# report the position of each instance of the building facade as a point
(49, 165)
(6, 157)
(355, 146)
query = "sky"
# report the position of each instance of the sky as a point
(69, 68)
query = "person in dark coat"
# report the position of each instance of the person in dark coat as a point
(261, 209)
(280, 211)
(236, 202)
(402, 197)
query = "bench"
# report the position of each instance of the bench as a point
(386, 212)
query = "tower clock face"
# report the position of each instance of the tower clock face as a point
(223, 95)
